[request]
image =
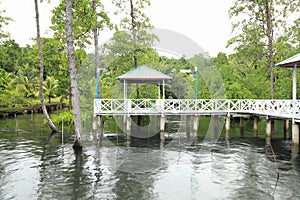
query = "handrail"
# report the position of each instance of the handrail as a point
(276, 108)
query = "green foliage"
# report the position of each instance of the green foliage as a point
(10, 56)
(66, 117)
(263, 35)
(84, 19)
(243, 74)
(5, 79)
(50, 86)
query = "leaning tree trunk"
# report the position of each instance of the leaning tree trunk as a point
(72, 71)
(49, 121)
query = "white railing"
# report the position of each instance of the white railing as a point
(275, 108)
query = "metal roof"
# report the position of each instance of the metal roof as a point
(143, 74)
(290, 62)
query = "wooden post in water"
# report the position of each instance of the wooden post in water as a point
(188, 127)
(162, 127)
(286, 124)
(242, 126)
(195, 126)
(17, 125)
(124, 124)
(216, 126)
(227, 127)
(62, 132)
(268, 128)
(117, 136)
(295, 134)
(101, 127)
(158, 122)
(128, 127)
(94, 124)
(255, 126)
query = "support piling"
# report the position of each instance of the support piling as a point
(295, 134)
(162, 127)
(195, 126)
(286, 129)
(255, 126)
(227, 127)
(216, 127)
(128, 127)
(268, 128)
(188, 127)
(242, 122)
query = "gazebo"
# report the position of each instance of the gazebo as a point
(144, 74)
(293, 62)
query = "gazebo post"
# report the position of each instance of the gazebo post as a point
(162, 117)
(127, 118)
(295, 82)
(158, 90)
(293, 62)
(125, 90)
(164, 96)
(295, 127)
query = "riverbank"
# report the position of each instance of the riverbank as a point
(30, 109)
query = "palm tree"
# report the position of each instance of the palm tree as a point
(49, 87)
(5, 79)
(25, 85)
(49, 121)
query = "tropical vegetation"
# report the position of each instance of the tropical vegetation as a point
(262, 37)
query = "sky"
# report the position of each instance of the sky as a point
(206, 22)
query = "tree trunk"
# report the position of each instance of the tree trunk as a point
(72, 71)
(270, 45)
(270, 53)
(70, 98)
(133, 32)
(49, 121)
(135, 61)
(97, 65)
(97, 60)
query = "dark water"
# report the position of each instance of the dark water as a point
(36, 166)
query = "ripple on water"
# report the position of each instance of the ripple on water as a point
(233, 169)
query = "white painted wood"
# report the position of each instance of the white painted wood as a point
(295, 82)
(288, 109)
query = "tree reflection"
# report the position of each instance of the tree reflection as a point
(62, 175)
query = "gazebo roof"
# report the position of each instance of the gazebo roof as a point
(290, 62)
(143, 74)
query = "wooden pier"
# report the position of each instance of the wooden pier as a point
(283, 109)
(271, 109)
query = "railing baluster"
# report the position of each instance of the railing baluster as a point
(276, 108)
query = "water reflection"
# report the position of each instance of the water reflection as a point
(63, 174)
(35, 166)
